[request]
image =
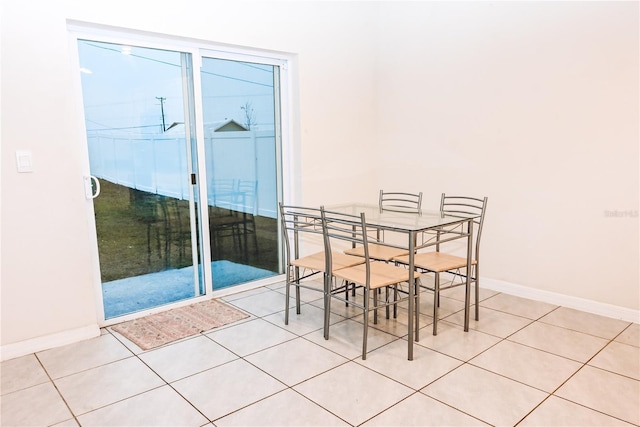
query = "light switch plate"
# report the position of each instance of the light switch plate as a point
(24, 161)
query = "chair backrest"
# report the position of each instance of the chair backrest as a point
(297, 220)
(392, 200)
(222, 193)
(347, 229)
(248, 194)
(455, 205)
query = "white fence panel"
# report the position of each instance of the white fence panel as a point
(123, 162)
(248, 157)
(144, 165)
(171, 168)
(159, 165)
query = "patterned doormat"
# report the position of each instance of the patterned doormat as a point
(162, 328)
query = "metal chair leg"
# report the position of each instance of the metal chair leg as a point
(436, 296)
(417, 321)
(476, 277)
(287, 294)
(366, 325)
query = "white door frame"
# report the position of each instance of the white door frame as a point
(288, 171)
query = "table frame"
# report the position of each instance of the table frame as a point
(413, 223)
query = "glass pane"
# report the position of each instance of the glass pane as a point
(138, 148)
(239, 104)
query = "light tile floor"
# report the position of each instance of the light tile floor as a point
(524, 363)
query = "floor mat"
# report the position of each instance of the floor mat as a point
(162, 328)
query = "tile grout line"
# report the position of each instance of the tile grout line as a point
(305, 337)
(165, 381)
(75, 418)
(287, 387)
(584, 364)
(348, 360)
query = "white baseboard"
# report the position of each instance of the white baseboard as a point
(34, 345)
(22, 348)
(576, 303)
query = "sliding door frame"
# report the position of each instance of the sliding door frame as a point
(286, 177)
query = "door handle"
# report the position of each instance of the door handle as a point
(88, 187)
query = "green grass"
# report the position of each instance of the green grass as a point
(140, 233)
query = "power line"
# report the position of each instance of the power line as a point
(124, 128)
(177, 65)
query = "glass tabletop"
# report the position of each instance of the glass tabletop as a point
(401, 220)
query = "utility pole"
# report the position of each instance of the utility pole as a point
(162, 99)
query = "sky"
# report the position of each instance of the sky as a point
(133, 95)
(128, 90)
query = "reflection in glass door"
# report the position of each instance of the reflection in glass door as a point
(241, 129)
(140, 145)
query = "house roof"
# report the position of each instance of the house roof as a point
(226, 126)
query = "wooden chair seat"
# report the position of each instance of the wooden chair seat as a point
(382, 274)
(312, 262)
(316, 261)
(437, 262)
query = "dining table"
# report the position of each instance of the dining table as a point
(421, 228)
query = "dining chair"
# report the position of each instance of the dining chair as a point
(151, 210)
(222, 214)
(439, 262)
(341, 229)
(390, 201)
(304, 252)
(393, 200)
(246, 224)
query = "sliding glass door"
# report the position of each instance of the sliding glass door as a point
(240, 106)
(140, 144)
(187, 164)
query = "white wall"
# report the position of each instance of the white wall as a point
(535, 105)
(532, 104)
(48, 280)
